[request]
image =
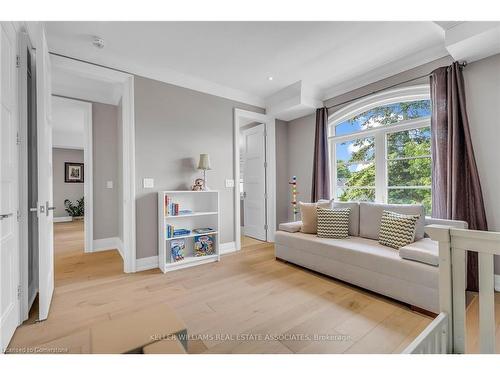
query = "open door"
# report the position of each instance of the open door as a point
(44, 153)
(254, 182)
(9, 209)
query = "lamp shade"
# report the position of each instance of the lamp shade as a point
(204, 162)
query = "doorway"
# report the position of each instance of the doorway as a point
(252, 181)
(255, 176)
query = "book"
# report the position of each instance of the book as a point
(204, 245)
(181, 232)
(177, 250)
(203, 230)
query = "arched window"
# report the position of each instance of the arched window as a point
(380, 148)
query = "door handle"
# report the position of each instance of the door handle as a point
(5, 216)
(33, 209)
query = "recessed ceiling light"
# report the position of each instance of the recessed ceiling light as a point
(270, 78)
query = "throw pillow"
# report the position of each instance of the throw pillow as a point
(309, 215)
(333, 223)
(397, 230)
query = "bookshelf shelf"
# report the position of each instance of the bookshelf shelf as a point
(191, 214)
(204, 207)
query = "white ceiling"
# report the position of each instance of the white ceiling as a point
(235, 59)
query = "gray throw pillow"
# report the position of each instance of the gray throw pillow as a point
(397, 230)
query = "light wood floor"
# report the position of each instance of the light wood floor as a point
(247, 303)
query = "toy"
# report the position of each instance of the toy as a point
(204, 245)
(295, 210)
(199, 185)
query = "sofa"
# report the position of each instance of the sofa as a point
(409, 275)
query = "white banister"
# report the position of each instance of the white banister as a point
(458, 276)
(486, 304)
(433, 339)
(453, 246)
(441, 234)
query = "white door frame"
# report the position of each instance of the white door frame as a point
(124, 83)
(125, 91)
(239, 115)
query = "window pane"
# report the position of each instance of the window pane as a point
(409, 172)
(409, 143)
(356, 169)
(355, 194)
(385, 115)
(411, 196)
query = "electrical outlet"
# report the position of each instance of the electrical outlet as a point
(229, 183)
(109, 184)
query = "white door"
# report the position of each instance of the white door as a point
(9, 226)
(45, 201)
(254, 182)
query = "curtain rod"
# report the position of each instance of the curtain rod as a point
(461, 64)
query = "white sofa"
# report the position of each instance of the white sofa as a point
(409, 275)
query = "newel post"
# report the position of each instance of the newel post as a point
(441, 234)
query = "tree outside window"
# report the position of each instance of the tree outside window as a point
(384, 152)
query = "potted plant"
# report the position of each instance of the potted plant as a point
(76, 211)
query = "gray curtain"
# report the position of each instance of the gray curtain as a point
(321, 164)
(456, 189)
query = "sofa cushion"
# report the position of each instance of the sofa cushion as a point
(397, 230)
(424, 251)
(309, 215)
(353, 216)
(370, 215)
(361, 252)
(291, 227)
(333, 223)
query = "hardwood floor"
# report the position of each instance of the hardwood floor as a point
(247, 303)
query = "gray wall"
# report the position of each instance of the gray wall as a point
(482, 88)
(63, 190)
(173, 125)
(105, 165)
(283, 195)
(300, 154)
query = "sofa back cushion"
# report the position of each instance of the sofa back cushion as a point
(353, 216)
(370, 215)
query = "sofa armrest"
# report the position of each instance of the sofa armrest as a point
(291, 227)
(451, 223)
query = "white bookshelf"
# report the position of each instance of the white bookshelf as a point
(204, 206)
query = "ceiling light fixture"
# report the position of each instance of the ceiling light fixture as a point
(270, 78)
(98, 42)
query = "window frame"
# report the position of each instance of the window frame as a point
(403, 94)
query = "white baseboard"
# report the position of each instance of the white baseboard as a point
(62, 219)
(144, 264)
(497, 283)
(110, 243)
(227, 247)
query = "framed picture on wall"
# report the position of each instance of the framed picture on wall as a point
(73, 172)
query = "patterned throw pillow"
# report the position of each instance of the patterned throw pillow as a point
(333, 223)
(397, 230)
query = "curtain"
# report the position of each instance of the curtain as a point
(456, 189)
(321, 162)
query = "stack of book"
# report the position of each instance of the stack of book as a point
(171, 232)
(171, 208)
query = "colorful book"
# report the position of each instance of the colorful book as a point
(177, 250)
(204, 245)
